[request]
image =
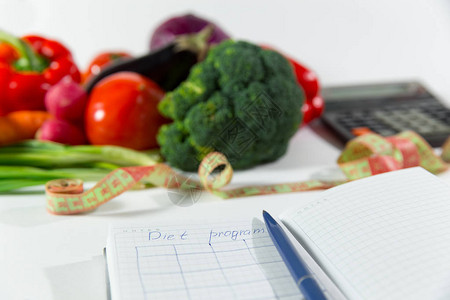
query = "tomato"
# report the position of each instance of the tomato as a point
(101, 61)
(122, 111)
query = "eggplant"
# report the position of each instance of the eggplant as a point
(168, 66)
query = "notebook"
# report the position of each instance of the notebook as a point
(382, 237)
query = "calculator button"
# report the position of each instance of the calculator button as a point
(357, 115)
(372, 123)
(349, 123)
(382, 118)
(441, 116)
(442, 128)
(386, 132)
(425, 130)
(360, 131)
(344, 116)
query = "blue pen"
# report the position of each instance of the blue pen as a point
(304, 279)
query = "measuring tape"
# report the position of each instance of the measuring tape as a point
(363, 156)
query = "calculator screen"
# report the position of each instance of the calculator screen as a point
(371, 91)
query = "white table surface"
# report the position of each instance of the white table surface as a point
(60, 257)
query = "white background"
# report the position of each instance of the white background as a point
(60, 257)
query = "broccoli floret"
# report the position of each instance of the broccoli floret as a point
(241, 100)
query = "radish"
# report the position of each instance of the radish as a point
(61, 131)
(66, 100)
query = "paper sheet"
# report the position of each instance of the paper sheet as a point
(205, 261)
(384, 237)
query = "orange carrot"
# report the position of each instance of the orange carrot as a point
(21, 125)
(9, 133)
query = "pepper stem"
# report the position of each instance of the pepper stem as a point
(28, 59)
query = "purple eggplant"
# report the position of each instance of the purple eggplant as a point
(186, 24)
(167, 66)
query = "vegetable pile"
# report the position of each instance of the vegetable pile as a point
(28, 67)
(195, 92)
(241, 100)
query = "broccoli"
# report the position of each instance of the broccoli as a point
(242, 100)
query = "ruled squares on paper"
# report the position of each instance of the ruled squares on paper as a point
(384, 237)
(218, 261)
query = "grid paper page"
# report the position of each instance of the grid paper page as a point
(203, 261)
(384, 237)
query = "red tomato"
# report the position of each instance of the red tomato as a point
(122, 111)
(101, 61)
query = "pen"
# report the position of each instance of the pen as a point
(303, 278)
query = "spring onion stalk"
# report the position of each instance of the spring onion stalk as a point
(34, 162)
(14, 177)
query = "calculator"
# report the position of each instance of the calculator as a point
(386, 109)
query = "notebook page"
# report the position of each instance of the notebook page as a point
(383, 237)
(232, 260)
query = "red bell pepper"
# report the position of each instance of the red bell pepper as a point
(28, 67)
(314, 104)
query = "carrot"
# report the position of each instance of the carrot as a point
(9, 132)
(21, 125)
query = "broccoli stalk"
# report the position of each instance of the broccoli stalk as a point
(242, 100)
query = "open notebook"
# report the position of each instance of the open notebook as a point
(383, 237)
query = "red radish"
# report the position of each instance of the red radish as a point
(61, 131)
(66, 100)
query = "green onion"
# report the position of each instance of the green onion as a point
(35, 162)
